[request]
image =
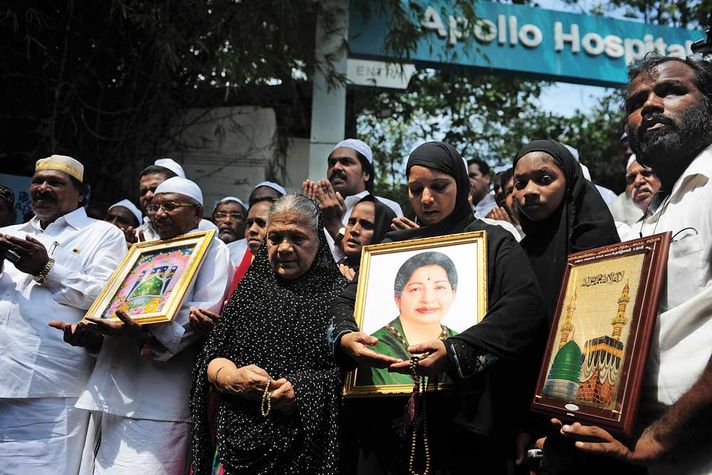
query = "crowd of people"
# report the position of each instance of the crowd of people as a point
(248, 375)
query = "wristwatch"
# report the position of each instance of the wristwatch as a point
(340, 235)
(41, 278)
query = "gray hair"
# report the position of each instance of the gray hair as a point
(298, 204)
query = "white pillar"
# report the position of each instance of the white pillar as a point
(328, 116)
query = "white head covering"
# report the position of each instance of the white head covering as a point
(170, 164)
(228, 199)
(573, 151)
(62, 163)
(359, 146)
(182, 186)
(631, 159)
(131, 207)
(270, 184)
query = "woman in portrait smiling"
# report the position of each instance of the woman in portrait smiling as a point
(424, 290)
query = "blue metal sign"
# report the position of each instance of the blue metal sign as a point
(533, 41)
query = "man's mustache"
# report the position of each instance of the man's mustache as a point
(658, 118)
(337, 174)
(45, 196)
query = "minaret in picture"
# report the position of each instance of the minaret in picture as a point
(619, 320)
(568, 327)
(602, 359)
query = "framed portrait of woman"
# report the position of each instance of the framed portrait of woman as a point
(595, 357)
(151, 282)
(410, 292)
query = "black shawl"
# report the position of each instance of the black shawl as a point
(444, 158)
(278, 325)
(583, 221)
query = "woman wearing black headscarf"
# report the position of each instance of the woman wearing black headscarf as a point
(369, 222)
(267, 357)
(559, 210)
(469, 428)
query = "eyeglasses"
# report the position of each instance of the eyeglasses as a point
(168, 206)
(222, 215)
(645, 173)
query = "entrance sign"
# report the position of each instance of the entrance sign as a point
(514, 38)
(364, 72)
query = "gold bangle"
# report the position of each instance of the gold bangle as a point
(217, 374)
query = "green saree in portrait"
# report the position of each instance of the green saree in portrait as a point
(391, 342)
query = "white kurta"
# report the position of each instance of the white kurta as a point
(485, 205)
(126, 384)
(34, 359)
(237, 251)
(682, 344)
(350, 202)
(40, 431)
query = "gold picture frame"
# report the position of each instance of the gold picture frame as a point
(385, 287)
(151, 282)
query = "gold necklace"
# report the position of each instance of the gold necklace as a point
(394, 331)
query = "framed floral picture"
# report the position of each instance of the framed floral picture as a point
(595, 356)
(414, 291)
(151, 282)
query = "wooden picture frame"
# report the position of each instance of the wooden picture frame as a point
(440, 279)
(151, 282)
(595, 356)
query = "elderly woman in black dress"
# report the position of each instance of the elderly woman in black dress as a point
(268, 359)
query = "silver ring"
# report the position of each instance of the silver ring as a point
(12, 256)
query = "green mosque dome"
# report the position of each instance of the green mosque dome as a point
(567, 363)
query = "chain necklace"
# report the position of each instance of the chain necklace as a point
(394, 331)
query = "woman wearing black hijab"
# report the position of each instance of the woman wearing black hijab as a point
(559, 210)
(269, 361)
(369, 222)
(469, 428)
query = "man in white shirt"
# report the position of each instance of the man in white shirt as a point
(149, 179)
(142, 378)
(669, 110)
(54, 266)
(482, 199)
(229, 215)
(350, 176)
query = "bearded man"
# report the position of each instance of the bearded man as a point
(669, 123)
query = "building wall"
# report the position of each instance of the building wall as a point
(228, 150)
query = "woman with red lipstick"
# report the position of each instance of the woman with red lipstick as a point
(424, 289)
(470, 429)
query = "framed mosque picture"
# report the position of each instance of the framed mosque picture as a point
(595, 357)
(151, 282)
(415, 291)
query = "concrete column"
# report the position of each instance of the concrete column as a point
(328, 117)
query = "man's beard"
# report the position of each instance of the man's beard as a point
(669, 151)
